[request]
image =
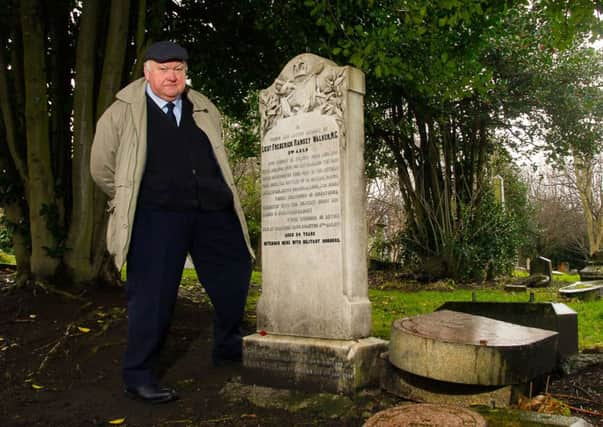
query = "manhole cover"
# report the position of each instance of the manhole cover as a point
(426, 415)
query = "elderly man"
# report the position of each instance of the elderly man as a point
(158, 154)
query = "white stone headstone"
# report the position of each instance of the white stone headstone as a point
(313, 316)
(314, 237)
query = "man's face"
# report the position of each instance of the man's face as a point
(167, 79)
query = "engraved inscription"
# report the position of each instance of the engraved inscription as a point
(301, 183)
(293, 363)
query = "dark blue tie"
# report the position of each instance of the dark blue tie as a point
(170, 112)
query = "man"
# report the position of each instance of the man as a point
(158, 154)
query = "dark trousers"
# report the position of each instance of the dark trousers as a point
(160, 242)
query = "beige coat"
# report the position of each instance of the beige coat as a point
(119, 154)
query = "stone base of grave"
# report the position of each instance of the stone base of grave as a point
(425, 390)
(312, 364)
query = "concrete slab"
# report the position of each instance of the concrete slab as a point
(543, 315)
(590, 290)
(462, 348)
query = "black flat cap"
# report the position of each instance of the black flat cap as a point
(165, 51)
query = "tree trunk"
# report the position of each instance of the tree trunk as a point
(41, 195)
(115, 54)
(584, 179)
(16, 216)
(79, 259)
(10, 124)
(88, 260)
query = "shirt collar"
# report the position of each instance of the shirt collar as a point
(160, 101)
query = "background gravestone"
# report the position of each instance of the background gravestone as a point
(542, 265)
(314, 314)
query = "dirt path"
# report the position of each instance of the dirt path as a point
(60, 366)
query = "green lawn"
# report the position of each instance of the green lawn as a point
(389, 305)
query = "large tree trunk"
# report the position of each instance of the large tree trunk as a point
(88, 260)
(41, 194)
(115, 54)
(79, 259)
(583, 170)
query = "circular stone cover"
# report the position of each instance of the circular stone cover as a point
(426, 415)
(463, 348)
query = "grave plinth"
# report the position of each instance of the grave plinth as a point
(462, 348)
(312, 364)
(314, 237)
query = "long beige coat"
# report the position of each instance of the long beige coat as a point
(119, 153)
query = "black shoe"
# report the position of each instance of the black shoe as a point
(151, 393)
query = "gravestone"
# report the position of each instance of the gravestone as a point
(542, 265)
(467, 349)
(594, 268)
(552, 316)
(314, 316)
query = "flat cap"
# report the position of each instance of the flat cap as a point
(165, 51)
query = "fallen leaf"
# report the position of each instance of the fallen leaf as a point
(36, 386)
(84, 330)
(263, 333)
(248, 416)
(117, 421)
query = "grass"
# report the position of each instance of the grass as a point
(6, 258)
(389, 305)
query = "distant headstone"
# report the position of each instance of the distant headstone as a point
(542, 265)
(594, 268)
(314, 316)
